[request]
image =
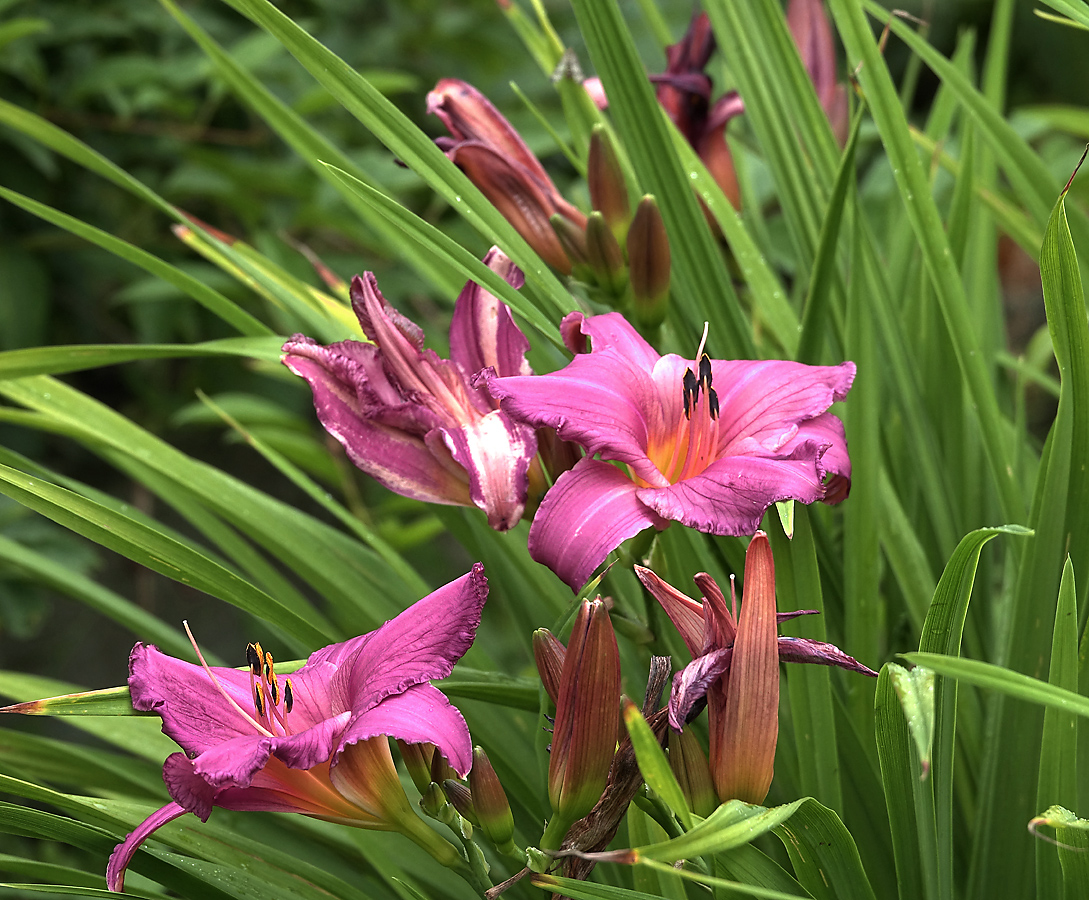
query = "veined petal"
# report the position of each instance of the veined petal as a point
(192, 708)
(482, 332)
(186, 788)
(233, 763)
(419, 714)
(743, 752)
(613, 331)
(496, 452)
(399, 459)
(761, 403)
(599, 400)
(590, 510)
(421, 643)
(731, 495)
(827, 431)
(803, 650)
(123, 852)
(684, 612)
(690, 685)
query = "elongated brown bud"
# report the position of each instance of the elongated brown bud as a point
(608, 192)
(584, 739)
(417, 759)
(693, 774)
(493, 815)
(461, 798)
(549, 653)
(604, 255)
(649, 263)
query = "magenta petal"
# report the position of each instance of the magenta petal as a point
(763, 402)
(123, 852)
(482, 332)
(420, 714)
(690, 685)
(496, 452)
(598, 400)
(613, 331)
(731, 495)
(589, 511)
(193, 710)
(306, 749)
(685, 613)
(399, 459)
(803, 650)
(421, 643)
(233, 763)
(186, 788)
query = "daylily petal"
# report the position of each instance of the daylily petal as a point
(123, 852)
(482, 332)
(421, 643)
(589, 511)
(496, 452)
(684, 612)
(598, 400)
(192, 708)
(730, 496)
(812, 33)
(804, 650)
(419, 714)
(234, 762)
(690, 685)
(612, 330)
(743, 756)
(826, 431)
(186, 787)
(760, 403)
(398, 459)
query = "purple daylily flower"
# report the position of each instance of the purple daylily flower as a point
(314, 742)
(415, 422)
(735, 668)
(712, 458)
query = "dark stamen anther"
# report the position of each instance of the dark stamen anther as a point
(705, 371)
(268, 667)
(712, 402)
(289, 696)
(258, 703)
(253, 657)
(691, 391)
(274, 684)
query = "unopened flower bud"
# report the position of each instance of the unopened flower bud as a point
(608, 192)
(493, 815)
(649, 263)
(604, 255)
(584, 737)
(461, 798)
(549, 653)
(693, 774)
(440, 768)
(572, 239)
(417, 759)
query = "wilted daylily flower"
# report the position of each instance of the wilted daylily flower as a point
(415, 422)
(711, 444)
(315, 742)
(495, 158)
(735, 666)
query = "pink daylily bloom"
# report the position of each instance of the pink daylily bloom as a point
(735, 670)
(711, 457)
(415, 422)
(315, 742)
